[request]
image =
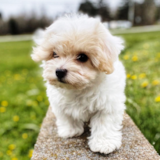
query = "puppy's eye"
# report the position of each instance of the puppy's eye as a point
(82, 57)
(55, 55)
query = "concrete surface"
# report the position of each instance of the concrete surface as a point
(50, 147)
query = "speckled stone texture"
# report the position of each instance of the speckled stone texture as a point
(50, 147)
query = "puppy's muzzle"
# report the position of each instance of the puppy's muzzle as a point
(61, 73)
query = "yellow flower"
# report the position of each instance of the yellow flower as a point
(156, 59)
(11, 146)
(14, 158)
(128, 75)
(29, 102)
(125, 57)
(155, 82)
(46, 102)
(30, 153)
(158, 55)
(9, 152)
(4, 103)
(24, 135)
(1, 154)
(39, 98)
(144, 84)
(134, 58)
(17, 77)
(35, 103)
(142, 75)
(133, 77)
(16, 118)
(157, 99)
(2, 109)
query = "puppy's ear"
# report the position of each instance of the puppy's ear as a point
(109, 47)
(39, 52)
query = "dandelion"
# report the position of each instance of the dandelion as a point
(155, 82)
(24, 135)
(2, 109)
(46, 102)
(4, 103)
(17, 77)
(128, 75)
(39, 98)
(142, 75)
(156, 59)
(16, 118)
(9, 152)
(34, 103)
(29, 102)
(125, 57)
(134, 58)
(157, 99)
(144, 84)
(14, 158)
(11, 146)
(158, 55)
(1, 154)
(30, 153)
(134, 77)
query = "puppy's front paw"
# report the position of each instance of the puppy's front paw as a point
(105, 146)
(68, 132)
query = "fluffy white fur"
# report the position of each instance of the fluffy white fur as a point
(93, 91)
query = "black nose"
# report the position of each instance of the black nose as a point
(61, 73)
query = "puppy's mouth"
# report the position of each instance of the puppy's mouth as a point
(61, 80)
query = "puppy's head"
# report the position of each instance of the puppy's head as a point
(75, 50)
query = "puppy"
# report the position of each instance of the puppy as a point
(84, 78)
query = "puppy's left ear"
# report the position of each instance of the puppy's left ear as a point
(39, 53)
(109, 47)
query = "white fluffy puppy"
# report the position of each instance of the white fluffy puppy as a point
(85, 79)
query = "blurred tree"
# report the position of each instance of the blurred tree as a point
(123, 11)
(13, 26)
(101, 9)
(88, 8)
(149, 12)
(0, 15)
(158, 14)
(145, 13)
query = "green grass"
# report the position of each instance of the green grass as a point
(142, 62)
(23, 101)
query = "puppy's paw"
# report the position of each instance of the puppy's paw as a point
(105, 146)
(68, 132)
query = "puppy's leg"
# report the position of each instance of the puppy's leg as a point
(106, 133)
(68, 127)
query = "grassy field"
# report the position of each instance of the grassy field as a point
(23, 102)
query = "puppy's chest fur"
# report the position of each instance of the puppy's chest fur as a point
(80, 106)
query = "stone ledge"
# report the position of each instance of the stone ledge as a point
(50, 147)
